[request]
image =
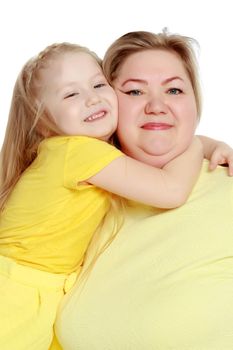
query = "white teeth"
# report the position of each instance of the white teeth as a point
(95, 116)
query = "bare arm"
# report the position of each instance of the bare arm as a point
(217, 152)
(165, 188)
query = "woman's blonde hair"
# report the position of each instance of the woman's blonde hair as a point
(28, 121)
(137, 41)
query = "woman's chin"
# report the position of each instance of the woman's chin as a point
(158, 156)
(157, 148)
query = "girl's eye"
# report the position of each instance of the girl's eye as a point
(72, 94)
(100, 85)
(133, 92)
(175, 91)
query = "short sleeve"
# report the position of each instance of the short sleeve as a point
(85, 157)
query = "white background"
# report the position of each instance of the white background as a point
(27, 26)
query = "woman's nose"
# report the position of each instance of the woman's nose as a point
(156, 105)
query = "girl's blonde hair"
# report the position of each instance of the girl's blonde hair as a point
(28, 121)
(137, 41)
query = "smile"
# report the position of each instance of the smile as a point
(95, 116)
(156, 126)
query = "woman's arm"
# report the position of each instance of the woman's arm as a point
(217, 152)
(165, 188)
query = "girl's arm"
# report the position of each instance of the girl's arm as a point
(165, 188)
(217, 152)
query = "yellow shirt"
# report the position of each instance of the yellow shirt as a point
(165, 282)
(49, 218)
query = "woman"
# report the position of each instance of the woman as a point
(166, 280)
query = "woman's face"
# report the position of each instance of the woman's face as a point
(157, 107)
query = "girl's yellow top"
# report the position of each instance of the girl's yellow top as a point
(50, 218)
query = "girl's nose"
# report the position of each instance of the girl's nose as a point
(92, 98)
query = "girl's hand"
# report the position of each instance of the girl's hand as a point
(222, 154)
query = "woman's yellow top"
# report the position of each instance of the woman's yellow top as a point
(165, 282)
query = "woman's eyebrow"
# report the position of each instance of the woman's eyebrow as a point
(168, 80)
(142, 81)
(133, 80)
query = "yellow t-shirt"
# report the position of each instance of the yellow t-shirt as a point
(50, 218)
(165, 282)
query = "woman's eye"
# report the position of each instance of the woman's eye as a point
(72, 94)
(133, 92)
(175, 91)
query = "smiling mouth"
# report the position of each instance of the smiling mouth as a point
(156, 126)
(95, 116)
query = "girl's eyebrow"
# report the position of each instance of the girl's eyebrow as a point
(99, 74)
(66, 85)
(71, 84)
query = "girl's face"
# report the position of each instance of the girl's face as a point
(78, 97)
(157, 107)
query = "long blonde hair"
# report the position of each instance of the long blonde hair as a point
(28, 121)
(137, 41)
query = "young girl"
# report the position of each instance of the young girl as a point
(56, 174)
